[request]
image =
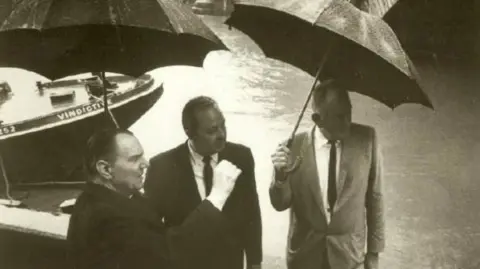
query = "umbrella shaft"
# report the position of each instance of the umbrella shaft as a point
(317, 76)
(105, 100)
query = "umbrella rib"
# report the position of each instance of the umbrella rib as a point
(16, 4)
(320, 12)
(170, 20)
(114, 22)
(45, 14)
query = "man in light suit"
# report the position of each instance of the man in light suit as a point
(335, 192)
(179, 180)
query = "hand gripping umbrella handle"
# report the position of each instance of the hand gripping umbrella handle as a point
(297, 161)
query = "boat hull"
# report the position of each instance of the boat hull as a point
(52, 151)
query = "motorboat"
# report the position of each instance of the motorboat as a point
(43, 133)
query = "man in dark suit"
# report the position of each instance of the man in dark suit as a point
(335, 193)
(113, 227)
(179, 179)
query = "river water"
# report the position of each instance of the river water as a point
(430, 157)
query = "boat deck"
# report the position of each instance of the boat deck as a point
(13, 109)
(40, 212)
(32, 222)
(44, 199)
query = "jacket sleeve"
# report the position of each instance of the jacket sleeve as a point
(160, 247)
(193, 240)
(280, 192)
(136, 246)
(253, 237)
(374, 201)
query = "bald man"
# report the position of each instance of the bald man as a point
(112, 226)
(335, 194)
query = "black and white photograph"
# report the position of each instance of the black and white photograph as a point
(239, 134)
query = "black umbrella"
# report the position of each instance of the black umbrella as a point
(367, 57)
(57, 38)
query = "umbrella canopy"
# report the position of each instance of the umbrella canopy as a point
(444, 29)
(57, 38)
(367, 57)
(6, 7)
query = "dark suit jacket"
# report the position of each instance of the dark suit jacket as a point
(357, 222)
(171, 187)
(108, 230)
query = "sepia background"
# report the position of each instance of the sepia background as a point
(430, 157)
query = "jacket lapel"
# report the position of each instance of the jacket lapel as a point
(188, 185)
(345, 160)
(310, 172)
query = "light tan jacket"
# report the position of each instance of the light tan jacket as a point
(357, 223)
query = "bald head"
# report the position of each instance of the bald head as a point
(332, 110)
(102, 145)
(115, 158)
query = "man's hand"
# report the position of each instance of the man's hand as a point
(280, 158)
(225, 176)
(371, 261)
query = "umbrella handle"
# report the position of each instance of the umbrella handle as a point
(297, 161)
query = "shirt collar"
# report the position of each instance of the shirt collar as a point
(197, 158)
(320, 139)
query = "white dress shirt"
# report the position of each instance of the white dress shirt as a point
(322, 156)
(197, 164)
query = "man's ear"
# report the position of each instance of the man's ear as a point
(104, 169)
(187, 132)
(190, 133)
(317, 119)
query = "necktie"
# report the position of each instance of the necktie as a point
(332, 175)
(207, 174)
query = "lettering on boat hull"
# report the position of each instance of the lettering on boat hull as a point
(75, 112)
(7, 130)
(60, 116)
